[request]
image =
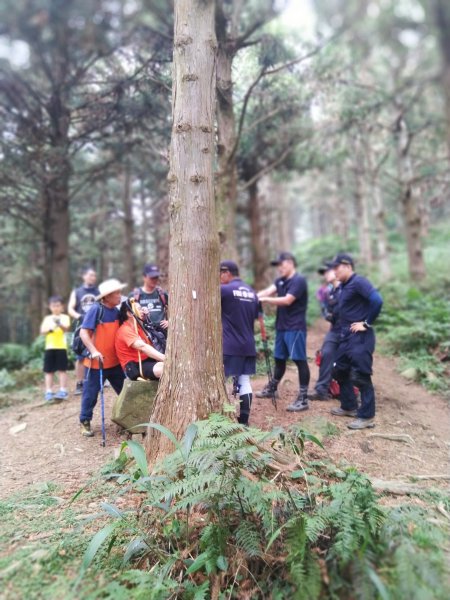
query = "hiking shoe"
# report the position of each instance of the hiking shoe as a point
(79, 388)
(85, 429)
(61, 395)
(268, 390)
(301, 403)
(340, 412)
(48, 396)
(361, 424)
(317, 396)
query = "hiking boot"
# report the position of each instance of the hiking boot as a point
(268, 390)
(317, 396)
(340, 412)
(79, 388)
(85, 429)
(301, 403)
(61, 395)
(48, 396)
(361, 424)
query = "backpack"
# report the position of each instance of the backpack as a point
(77, 344)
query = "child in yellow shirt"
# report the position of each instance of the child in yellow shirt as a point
(54, 327)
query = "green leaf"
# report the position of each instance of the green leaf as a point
(198, 563)
(312, 438)
(111, 510)
(139, 455)
(222, 563)
(136, 547)
(381, 588)
(94, 547)
(168, 434)
(189, 437)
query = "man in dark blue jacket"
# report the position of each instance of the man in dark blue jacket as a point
(358, 306)
(239, 311)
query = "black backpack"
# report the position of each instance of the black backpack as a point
(77, 344)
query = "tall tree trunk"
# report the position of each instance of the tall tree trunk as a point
(410, 202)
(226, 183)
(361, 205)
(192, 384)
(258, 245)
(129, 267)
(161, 212)
(56, 222)
(381, 235)
(379, 214)
(441, 10)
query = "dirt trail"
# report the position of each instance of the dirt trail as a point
(51, 448)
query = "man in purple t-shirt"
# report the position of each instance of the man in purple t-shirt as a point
(291, 301)
(239, 311)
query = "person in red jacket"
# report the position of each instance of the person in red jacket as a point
(137, 356)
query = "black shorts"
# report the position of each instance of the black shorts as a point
(55, 360)
(239, 365)
(132, 370)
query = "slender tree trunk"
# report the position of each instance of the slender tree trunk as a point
(161, 212)
(410, 202)
(441, 13)
(259, 254)
(192, 385)
(129, 267)
(361, 205)
(380, 229)
(379, 215)
(144, 224)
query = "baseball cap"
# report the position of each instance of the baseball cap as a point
(151, 271)
(229, 265)
(324, 267)
(342, 259)
(283, 256)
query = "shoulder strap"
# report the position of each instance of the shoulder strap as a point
(163, 299)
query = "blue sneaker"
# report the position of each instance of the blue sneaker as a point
(48, 396)
(61, 395)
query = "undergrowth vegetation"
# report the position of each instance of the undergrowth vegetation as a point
(241, 513)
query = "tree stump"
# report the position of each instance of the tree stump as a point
(134, 405)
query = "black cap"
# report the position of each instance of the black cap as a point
(229, 265)
(283, 256)
(151, 271)
(324, 267)
(342, 259)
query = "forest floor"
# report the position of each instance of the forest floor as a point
(410, 442)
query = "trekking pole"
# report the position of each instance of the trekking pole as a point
(102, 402)
(266, 353)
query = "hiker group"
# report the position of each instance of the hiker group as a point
(349, 302)
(118, 337)
(115, 337)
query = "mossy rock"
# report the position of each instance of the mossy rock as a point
(411, 374)
(134, 405)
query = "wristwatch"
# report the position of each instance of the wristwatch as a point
(366, 325)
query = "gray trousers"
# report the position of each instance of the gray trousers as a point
(328, 351)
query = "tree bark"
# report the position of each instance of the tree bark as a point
(259, 253)
(129, 266)
(361, 205)
(226, 183)
(410, 202)
(192, 384)
(441, 10)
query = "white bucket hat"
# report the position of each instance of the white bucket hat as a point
(108, 287)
